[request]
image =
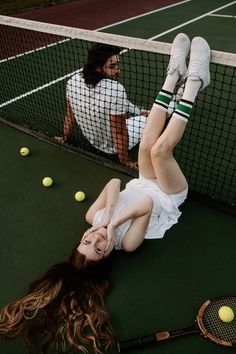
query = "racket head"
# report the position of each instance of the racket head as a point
(210, 324)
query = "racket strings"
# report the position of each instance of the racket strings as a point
(225, 331)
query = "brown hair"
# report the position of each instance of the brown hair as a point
(98, 55)
(66, 304)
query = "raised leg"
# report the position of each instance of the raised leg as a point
(157, 118)
(156, 158)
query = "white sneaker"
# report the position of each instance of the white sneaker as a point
(199, 63)
(179, 51)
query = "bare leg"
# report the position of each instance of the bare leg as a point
(155, 124)
(157, 117)
(164, 166)
(152, 131)
(167, 170)
(156, 151)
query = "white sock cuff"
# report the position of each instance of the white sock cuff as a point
(176, 115)
(164, 109)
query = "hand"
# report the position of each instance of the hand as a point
(59, 139)
(111, 239)
(93, 229)
(144, 113)
(133, 165)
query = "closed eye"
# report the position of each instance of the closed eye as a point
(97, 250)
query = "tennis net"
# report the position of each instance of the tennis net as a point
(37, 60)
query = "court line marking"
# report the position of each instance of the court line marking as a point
(193, 20)
(76, 71)
(71, 74)
(33, 50)
(29, 93)
(96, 30)
(217, 15)
(142, 15)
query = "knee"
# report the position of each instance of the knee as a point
(162, 148)
(145, 145)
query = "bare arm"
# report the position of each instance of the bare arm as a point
(120, 138)
(107, 199)
(140, 213)
(69, 123)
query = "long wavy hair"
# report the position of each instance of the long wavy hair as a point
(97, 57)
(66, 305)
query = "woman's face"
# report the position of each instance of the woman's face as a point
(111, 68)
(94, 244)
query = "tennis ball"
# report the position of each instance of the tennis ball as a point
(47, 181)
(24, 151)
(79, 196)
(226, 314)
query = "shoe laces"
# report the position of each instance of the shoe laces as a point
(176, 60)
(194, 66)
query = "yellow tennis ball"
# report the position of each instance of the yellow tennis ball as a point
(79, 196)
(226, 314)
(24, 151)
(47, 181)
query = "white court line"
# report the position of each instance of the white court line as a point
(38, 89)
(98, 29)
(193, 20)
(217, 15)
(70, 74)
(34, 50)
(142, 15)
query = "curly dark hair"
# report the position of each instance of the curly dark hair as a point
(97, 57)
(66, 305)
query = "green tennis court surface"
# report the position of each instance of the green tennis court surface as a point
(213, 20)
(37, 98)
(158, 287)
(162, 285)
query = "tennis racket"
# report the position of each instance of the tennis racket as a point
(207, 323)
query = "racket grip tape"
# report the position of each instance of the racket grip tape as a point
(136, 342)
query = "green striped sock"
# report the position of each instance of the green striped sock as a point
(163, 99)
(183, 110)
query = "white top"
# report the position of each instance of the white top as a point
(165, 211)
(92, 108)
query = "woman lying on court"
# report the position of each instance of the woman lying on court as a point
(67, 302)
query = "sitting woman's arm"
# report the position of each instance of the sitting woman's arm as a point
(140, 213)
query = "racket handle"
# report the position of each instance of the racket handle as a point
(136, 342)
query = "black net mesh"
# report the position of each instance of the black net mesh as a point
(36, 69)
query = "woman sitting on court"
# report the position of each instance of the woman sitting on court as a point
(66, 303)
